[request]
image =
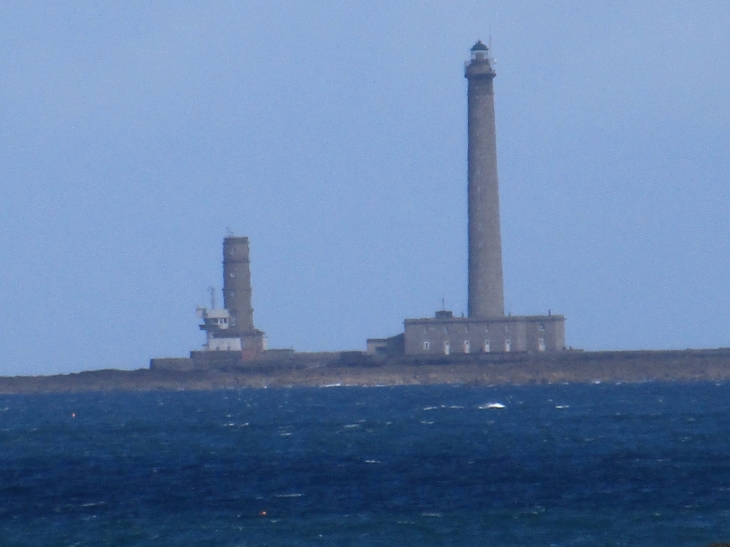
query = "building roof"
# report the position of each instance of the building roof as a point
(487, 320)
(479, 46)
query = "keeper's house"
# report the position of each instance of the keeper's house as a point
(445, 334)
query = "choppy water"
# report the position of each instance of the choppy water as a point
(590, 465)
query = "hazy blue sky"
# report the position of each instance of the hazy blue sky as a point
(333, 134)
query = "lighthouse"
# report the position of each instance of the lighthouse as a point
(485, 329)
(486, 285)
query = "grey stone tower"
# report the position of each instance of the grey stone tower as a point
(237, 294)
(486, 286)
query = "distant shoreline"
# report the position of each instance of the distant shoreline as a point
(361, 370)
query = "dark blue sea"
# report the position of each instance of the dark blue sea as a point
(579, 465)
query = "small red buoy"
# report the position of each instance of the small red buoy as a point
(73, 414)
(262, 513)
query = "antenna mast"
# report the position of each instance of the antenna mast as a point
(211, 290)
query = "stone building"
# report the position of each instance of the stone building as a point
(445, 334)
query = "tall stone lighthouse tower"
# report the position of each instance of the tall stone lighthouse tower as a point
(486, 329)
(486, 286)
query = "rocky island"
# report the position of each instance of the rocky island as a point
(360, 369)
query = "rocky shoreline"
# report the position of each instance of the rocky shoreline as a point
(712, 365)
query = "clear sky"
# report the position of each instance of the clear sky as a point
(333, 135)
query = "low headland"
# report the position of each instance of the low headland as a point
(359, 369)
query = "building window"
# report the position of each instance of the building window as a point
(506, 328)
(426, 345)
(541, 344)
(542, 326)
(467, 346)
(447, 348)
(508, 345)
(486, 328)
(233, 275)
(487, 349)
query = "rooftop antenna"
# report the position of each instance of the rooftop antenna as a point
(443, 303)
(211, 290)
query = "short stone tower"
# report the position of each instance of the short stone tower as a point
(486, 285)
(237, 293)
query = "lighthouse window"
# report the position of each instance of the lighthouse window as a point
(426, 345)
(542, 326)
(233, 275)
